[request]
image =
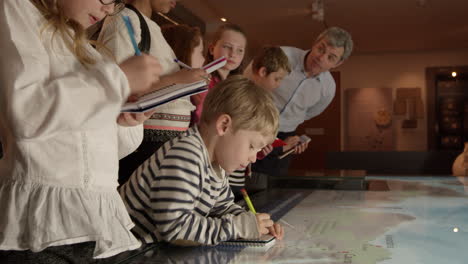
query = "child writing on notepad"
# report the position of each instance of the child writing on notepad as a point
(181, 193)
(170, 119)
(268, 68)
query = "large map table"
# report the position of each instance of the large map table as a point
(398, 220)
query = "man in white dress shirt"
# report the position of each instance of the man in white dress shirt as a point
(305, 92)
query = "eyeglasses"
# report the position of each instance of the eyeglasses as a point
(119, 5)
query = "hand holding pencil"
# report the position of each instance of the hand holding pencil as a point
(197, 72)
(264, 224)
(141, 70)
(191, 75)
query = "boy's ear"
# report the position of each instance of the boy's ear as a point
(223, 123)
(262, 72)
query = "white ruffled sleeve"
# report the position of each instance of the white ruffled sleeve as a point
(129, 139)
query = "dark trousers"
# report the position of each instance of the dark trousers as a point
(271, 164)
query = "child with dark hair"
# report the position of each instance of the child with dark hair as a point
(186, 42)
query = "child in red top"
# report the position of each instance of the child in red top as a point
(229, 41)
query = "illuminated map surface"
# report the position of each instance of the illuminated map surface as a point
(415, 220)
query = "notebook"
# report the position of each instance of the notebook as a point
(264, 241)
(214, 65)
(172, 92)
(164, 95)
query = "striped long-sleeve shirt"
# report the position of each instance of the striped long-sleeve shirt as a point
(177, 194)
(237, 178)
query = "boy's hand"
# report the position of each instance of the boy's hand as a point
(277, 231)
(291, 142)
(267, 149)
(263, 223)
(301, 147)
(294, 142)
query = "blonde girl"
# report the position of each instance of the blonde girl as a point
(61, 130)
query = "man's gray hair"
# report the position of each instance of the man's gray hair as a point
(338, 37)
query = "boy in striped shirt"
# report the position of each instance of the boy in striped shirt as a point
(267, 70)
(181, 194)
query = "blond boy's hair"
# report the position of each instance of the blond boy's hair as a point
(249, 106)
(272, 58)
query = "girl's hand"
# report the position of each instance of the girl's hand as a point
(133, 119)
(142, 72)
(190, 76)
(263, 223)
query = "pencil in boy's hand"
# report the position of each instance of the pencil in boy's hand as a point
(131, 33)
(247, 200)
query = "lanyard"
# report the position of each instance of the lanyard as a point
(290, 98)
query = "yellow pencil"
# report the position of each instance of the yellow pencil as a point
(247, 201)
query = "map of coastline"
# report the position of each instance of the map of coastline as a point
(412, 221)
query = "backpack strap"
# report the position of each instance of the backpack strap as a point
(145, 42)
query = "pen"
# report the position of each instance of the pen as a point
(131, 33)
(183, 65)
(247, 200)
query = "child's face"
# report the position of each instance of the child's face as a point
(163, 6)
(86, 12)
(232, 46)
(236, 150)
(270, 82)
(197, 58)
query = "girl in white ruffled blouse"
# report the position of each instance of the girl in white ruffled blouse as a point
(63, 134)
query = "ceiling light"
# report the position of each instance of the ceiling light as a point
(223, 19)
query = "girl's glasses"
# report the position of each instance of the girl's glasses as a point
(119, 5)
